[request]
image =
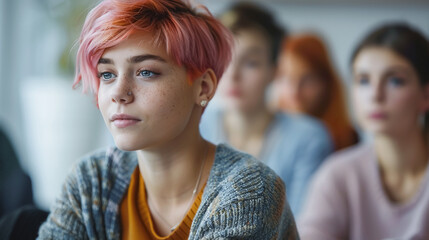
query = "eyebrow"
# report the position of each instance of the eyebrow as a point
(141, 58)
(254, 50)
(135, 59)
(395, 69)
(105, 61)
(389, 70)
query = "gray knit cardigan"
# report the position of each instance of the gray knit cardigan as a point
(243, 199)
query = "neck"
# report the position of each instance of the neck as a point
(402, 155)
(246, 124)
(171, 171)
(246, 131)
(403, 163)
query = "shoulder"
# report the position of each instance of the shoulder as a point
(90, 194)
(346, 163)
(350, 158)
(301, 122)
(303, 135)
(302, 128)
(99, 173)
(244, 174)
(243, 199)
(335, 192)
(110, 159)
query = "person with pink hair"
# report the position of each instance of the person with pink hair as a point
(153, 66)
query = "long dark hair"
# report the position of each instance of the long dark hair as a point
(405, 41)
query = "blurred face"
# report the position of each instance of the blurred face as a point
(144, 97)
(387, 95)
(243, 85)
(301, 90)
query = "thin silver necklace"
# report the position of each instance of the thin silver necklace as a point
(194, 192)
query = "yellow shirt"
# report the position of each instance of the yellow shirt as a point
(136, 221)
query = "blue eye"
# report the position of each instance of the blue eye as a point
(147, 73)
(251, 64)
(363, 81)
(395, 81)
(107, 76)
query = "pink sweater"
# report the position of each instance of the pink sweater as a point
(347, 201)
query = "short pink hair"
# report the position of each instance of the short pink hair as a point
(192, 39)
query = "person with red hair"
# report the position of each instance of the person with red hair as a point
(153, 65)
(308, 84)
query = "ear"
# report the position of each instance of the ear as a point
(205, 85)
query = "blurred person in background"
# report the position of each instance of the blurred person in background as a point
(153, 66)
(293, 146)
(307, 83)
(19, 218)
(15, 185)
(380, 190)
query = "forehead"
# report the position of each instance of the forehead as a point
(136, 44)
(378, 60)
(293, 61)
(248, 40)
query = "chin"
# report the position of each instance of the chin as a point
(127, 144)
(379, 130)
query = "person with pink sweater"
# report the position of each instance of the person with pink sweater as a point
(380, 189)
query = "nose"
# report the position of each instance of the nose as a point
(123, 91)
(378, 93)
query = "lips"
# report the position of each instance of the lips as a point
(377, 115)
(123, 120)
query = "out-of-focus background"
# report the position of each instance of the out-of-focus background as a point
(50, 125)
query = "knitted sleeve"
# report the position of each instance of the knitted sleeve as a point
(66, 220)
(249, 205)
(78, 213)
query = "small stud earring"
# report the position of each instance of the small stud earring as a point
(129, 93)
(203, 103)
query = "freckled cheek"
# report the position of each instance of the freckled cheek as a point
(164, 102)
(102, 103)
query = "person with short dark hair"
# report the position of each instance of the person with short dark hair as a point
(15, 185)
(293, 146)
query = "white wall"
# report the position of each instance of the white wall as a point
(50, 124)
(10, 118)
